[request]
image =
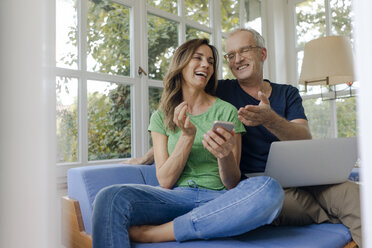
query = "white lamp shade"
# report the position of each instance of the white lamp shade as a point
(330, 57)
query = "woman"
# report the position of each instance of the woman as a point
(199, 196)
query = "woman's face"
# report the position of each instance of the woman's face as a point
(199, 70)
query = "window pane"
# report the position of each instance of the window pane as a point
(229, 15)
(310, 21)
(197, 10)
(108, 38)
(193, 33)
(300, 57)
(167, 5)
(154, 99)
(346, 117)
(162, 43)
(226, 72)
(342, 17)
(318, 113)
(109, 121)
(253, 13)
(67, 119)
(66, 34)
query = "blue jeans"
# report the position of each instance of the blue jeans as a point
(197, 213)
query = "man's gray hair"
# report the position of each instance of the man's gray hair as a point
(260, 41)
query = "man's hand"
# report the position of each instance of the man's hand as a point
(219, 142)
(261, 114)
(183, 121)
(148, 158)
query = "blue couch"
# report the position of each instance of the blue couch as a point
(85, 182)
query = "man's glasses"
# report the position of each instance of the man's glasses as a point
(242, 52)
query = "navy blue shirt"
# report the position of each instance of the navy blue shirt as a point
(284, 100)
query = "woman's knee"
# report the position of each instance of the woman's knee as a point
(275, 191)
(109, 197)
(268, 191)
(265, 185)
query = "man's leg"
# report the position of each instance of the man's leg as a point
(300, 208)
(341, 201)
(254, 202)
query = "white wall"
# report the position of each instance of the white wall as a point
(27, 129)
(363, 40)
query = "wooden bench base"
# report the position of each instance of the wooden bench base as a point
(73, 233)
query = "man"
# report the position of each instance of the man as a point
(272, 112)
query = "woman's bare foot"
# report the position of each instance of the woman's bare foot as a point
(152, 234)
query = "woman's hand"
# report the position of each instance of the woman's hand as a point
(183, 121)
(226, 146)
(219, 142)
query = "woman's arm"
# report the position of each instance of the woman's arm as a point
(226, 147)
(169, 168)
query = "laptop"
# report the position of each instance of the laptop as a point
(312, 162)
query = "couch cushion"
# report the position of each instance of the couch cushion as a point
(316, 235)
(149, 174)
(84, 183)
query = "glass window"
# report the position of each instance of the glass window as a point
(67, 119)
(108, 38)
(197, 10)
(193, 33)
(342, 17)
(167, 5)
(300, 57)
(109, 121)
(253, 15)
(229, 15)
(66, 34)
(310, 21)
(154, 99)
(319, 113)
(162, 43)
(226, 72)
(346, 117)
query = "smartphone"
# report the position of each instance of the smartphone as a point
(229, 126)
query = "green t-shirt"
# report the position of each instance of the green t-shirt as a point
(201, 165)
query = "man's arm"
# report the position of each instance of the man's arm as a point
(148, 158)
(289, 130)
(263, 114)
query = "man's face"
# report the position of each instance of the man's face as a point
(245, 58)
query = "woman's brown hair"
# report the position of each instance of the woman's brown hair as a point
(172, 93)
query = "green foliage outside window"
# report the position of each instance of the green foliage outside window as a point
(66, 120)
(347, 117)
(229, 15)
(162, 43)
(109, 125)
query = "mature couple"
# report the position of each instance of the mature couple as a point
(203, 192)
